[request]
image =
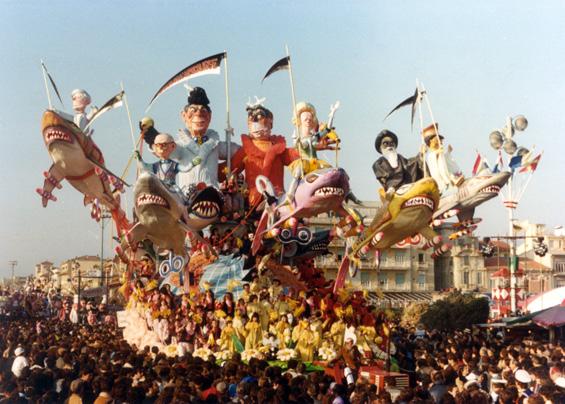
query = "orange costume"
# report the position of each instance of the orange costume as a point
(263, 157)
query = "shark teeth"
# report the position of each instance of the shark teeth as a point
(54, 134)
(150, 199)
(329, 191)
(491, 189)
(206, 208)
(419, 201)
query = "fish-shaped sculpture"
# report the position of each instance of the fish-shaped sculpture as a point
(77, 159)
(163, 218)
(320, 191)
(408, 212)
(471, 193)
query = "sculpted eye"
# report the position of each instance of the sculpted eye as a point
(311, 178)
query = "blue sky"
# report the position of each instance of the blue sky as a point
(480, 62)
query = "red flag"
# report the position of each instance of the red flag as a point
(477, 164)
(209, 65)
(532, 165)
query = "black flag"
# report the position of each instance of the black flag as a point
(279, 65)
(209, 65)
(52, 83)
(114, 102)
(413, 99)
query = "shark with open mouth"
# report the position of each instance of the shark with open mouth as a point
(473, 192)
(163, 217)
(77, 159)
(320, 191)
(409, 212)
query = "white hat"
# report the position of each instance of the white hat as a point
(19, 351)
(472, 377)
(522, 376)
(560, 381)
(497, 379)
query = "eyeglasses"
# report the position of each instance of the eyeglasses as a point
(162, 145)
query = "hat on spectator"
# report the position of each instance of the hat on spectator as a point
(522, 376)
(19, 351)
(560, 381)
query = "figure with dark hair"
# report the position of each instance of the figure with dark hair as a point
(392, 169)
(198, 141)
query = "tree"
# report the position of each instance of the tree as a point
(455, 312)
(412, 314)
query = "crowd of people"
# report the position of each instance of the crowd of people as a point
(49, 359)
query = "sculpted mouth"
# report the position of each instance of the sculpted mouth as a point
(492, 189)
(150, 199)
(329, 191)
(419, 201)
(206, 209)
(53, 134)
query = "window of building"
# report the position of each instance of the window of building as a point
(465, 278)
(465, 260)
(420, 258)
(383, 280)
(366, 279)
(399, 257)
(421, 280)
(479, 278)
(559, 266)
(399, 279)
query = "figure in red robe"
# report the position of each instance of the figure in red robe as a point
(262, 153)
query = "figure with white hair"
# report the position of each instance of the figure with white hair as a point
(166, 169)
(81, 100)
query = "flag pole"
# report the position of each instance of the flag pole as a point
(129, 116)
(421, 128)
(229, 129)
(527, 182)
(46, 87)
(431, 114)
(294, 109)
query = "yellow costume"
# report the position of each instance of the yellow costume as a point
(337, 330)
(226, 338)
(254, 335)
(307, 343)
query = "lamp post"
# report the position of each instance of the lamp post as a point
(13, 265)
(104, 214)
(503, 139)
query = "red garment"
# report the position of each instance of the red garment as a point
(269, 163)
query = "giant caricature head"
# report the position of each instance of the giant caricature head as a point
(197, 113)
(386, 144)
(306, 118)
(81, 100)
(259, 122)
(163, 146)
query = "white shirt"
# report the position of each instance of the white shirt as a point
(20, 363)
